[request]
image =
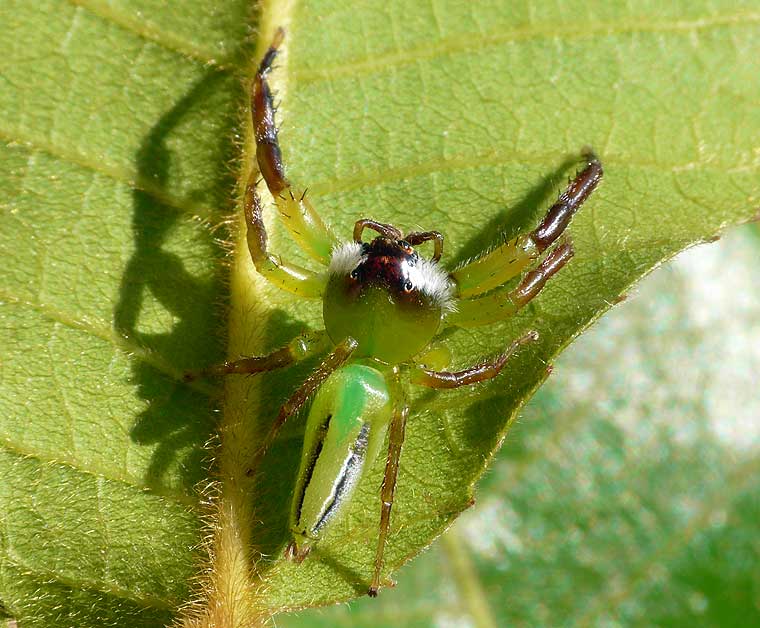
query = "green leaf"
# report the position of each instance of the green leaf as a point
(118, 121)
(627, 493)
(465, 120)
(114, 142)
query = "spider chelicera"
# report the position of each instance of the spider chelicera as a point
(383, 305)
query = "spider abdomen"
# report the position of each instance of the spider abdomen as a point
(345, 431)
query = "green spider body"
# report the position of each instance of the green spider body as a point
(388, 298)
(391, 301)
(383, 305)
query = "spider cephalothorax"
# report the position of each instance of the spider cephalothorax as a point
(391, 264)
(383, 303)
(385, 287)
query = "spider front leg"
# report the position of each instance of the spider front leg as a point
(513, 257)
(290, 277)
(303, 223)
(498, 306)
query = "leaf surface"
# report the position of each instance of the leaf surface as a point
(114, 142)
(468, 119)
(118, 135)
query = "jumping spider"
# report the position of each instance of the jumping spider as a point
(383, 304)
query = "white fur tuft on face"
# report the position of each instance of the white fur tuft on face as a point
(345, 257)
(431, 280)
(426, 276)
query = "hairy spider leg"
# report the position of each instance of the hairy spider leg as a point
(298, 349)
(508, 260)
(297, 212)
(333, 361)
(433, 379)
(488, 369)
(396, 433)
(291, 277)
(501, 305)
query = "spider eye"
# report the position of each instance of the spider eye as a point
(408, 286)
(355, 273)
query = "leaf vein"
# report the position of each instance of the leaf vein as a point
(10, 446)
(120, 175)
(478, 42)
(120, 342)
(144, 29)
(78, 582)
(472, 162)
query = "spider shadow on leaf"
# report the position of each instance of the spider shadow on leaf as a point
(167, 309)
(271, 493)
(477, 430)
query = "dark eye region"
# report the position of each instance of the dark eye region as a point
(388, 265)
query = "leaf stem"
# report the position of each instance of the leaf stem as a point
(231, 582)
(466, 580)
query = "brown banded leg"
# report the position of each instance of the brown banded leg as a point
(296, 350)
(396, 434)
(418, 237)
(500, 305)
(473, 375)
(300, 218)
(268, 152)
(558, 217)
(388, 231)
(335, 360)
(511, 258)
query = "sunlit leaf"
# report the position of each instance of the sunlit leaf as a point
(118, 123)
(467, 119)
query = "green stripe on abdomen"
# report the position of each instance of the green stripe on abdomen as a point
(344, 432)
